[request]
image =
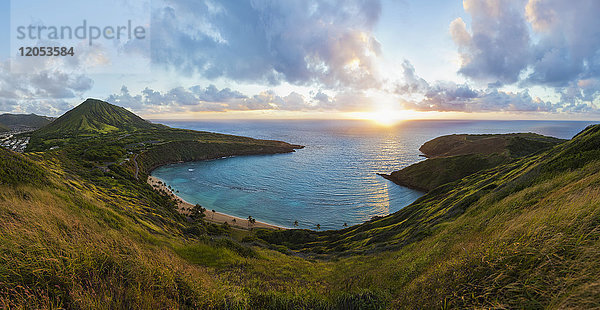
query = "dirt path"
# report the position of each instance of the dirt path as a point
(137, 169)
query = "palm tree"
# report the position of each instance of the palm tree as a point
(249, 220)
(213, 214)
(318, 226)
(197, 212)
(345, 224)
(296, 223)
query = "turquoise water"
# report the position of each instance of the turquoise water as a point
(333, 180)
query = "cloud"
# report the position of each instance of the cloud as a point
(563, 45)
(447, 96)
(549, 43)
(8, 104)
(581, 95)
(569, 45)
(498, 47)
(44, 90)
(329, 43)
(411, 82)
(52, 107)
(55, 84)
(212, 94)
(194, 99)
(452, 97)
(211, 99)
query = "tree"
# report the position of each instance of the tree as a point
(318, 226)
(296, 223)
(251, 221)
(197, 212)
(345, 224)
(213, 214)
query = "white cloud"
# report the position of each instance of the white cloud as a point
(497, 48)
(46, 91)
(211, 99)
(328, 43)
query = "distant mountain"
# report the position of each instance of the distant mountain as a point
(94, 117)
(20, 121)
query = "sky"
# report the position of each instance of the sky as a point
(376, 59)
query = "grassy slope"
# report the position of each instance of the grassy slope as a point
(514, 145)
(94, 116)
(524, 234)
(3, 128)
(454, 157)
(94, 237)
(433, 172)
(77, 243)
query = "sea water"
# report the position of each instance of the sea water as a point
(333, 180)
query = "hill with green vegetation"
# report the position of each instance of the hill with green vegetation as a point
(101, 132)
(20, 121)
(513, 145)
(79, 231)
(94, 117)
(454, 157)
(3, 128)
(525, 234)
(428, 174)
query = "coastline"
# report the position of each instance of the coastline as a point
(213, 217)
(403, 184)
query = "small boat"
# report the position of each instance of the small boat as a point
(190, 170)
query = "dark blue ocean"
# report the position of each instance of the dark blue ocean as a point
(333, 180)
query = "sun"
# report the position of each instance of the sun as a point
(385, 117)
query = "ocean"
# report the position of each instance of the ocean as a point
(333, 180)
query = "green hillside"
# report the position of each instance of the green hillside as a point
(524, 234)
(78, 230)
(3, 128)
(23, 121)
(431, 173)
(94, 117)
(454, 157)
(102, 132)
(513, 145)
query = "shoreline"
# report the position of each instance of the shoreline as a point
(213, 217)
(389, 177)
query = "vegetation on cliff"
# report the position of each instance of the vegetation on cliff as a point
(454, 157)
(513, 145)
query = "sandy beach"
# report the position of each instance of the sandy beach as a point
(214, 217)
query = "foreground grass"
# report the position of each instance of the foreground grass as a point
(537, 248)
(74, 243)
